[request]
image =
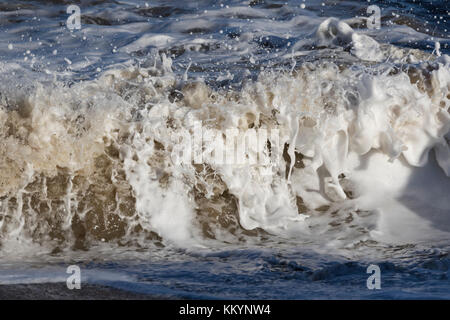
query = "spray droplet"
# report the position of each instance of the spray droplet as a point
(437, 48)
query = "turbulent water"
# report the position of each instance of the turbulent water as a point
(350, 167)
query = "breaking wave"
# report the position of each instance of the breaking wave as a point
(363, 154)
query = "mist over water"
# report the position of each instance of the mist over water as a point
(356, 174)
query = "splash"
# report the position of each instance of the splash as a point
(92, 162)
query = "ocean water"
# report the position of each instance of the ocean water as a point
(256, 149)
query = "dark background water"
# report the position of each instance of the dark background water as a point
(232, 32)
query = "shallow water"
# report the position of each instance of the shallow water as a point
(90, 124)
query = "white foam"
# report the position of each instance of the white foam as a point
(372, 125)
(334, 31)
